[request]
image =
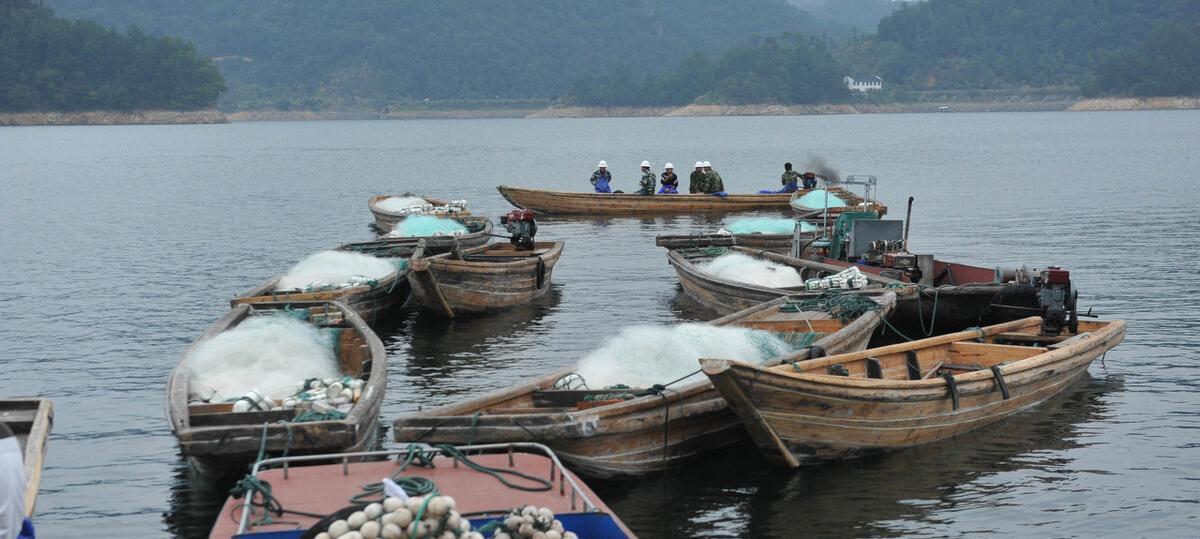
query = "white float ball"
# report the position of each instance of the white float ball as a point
(370, 529)
(392, 531)
(391, 504)
(402, 517)
(373, 511)
(338, 528)
(356, 519)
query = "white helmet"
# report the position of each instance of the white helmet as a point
(668, 165)
(603, 164)
(699, 164)
(646, 164)
(707, 164)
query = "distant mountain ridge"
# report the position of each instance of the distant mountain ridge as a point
(371, 53)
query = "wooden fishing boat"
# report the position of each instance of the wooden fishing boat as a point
(486, 481)
(385, 220)
(576, 203)
(372, 301)
(213, 432)
(775, 243)
(846, 405)
(485, 278)
(852, 203)
(959, 298)
(621, 432)
(30, 420)
(479, 233)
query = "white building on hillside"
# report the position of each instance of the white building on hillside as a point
(863, 83)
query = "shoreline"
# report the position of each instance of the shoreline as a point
(107, 117)
(203, 117)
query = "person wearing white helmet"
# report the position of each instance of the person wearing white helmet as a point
(646, 186)
(670, 182)
(601, 178)
(696, 181)
(712, 180)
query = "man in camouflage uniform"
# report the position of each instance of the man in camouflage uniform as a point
(790, 179)
(712, 180)
(696, 184)
(646, 186)
(603, 176)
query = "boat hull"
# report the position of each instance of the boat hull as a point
(30, 421)
(372, 303)
(800, 418)
(385, 220)
(450, 286)
(575, 203)
(920, 312)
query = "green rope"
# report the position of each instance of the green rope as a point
(313, 415)
(843, 306)
(715, 251)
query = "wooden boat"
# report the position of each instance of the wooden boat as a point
(485, 278)
(846, 405)
(637, 431)
(952, 303)
(386, 220)
(852, 203)
(30, 420)
(479, 233)
(214, 432)
(775, 243)
(576, 203)
(372, 301)
(486, 481)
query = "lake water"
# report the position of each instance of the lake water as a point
(121, 244)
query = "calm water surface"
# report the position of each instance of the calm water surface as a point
(121, 244)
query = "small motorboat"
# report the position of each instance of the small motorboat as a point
(300, 497)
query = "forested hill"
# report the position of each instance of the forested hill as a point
(52, 64)
(957, 44)
(312, 53)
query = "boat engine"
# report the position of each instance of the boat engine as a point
(1057, 299)
(521, 228)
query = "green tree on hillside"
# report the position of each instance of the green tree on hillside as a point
(51, 64)
(1167, 64)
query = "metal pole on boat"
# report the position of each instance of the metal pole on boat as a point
(907, 223)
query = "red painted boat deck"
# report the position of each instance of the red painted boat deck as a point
(325, 488)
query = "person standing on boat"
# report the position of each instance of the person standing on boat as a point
(646, 186)
(696, 182)
(790, 179)
(13, 524)
(670, 182)
(712, 180)
(601, 178)
(810, 180)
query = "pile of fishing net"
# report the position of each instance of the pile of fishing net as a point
(765, 225)
(816, 199)
(267, 355)
(427, 225)
(747, 269)
(331, 270)
(641, 356)
(411, 205)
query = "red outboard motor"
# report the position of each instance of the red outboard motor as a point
(522, 228)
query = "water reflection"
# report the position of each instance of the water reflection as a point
(736, 493)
